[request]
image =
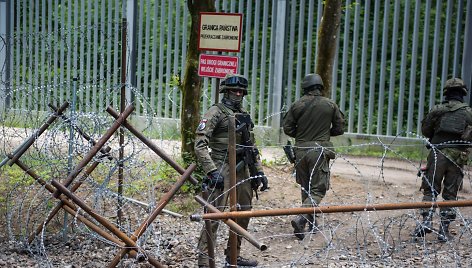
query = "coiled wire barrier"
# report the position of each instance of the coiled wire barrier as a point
(358, 239)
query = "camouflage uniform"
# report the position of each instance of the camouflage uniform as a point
(444, 125)
(312, 120)
(212, 133)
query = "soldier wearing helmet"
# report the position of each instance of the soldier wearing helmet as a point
(447, 126)
(212, 134)
(312, 120)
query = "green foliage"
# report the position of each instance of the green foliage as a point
(401, 152)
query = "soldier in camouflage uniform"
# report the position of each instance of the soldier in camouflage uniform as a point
(212, 133)
(447, 126)
(312, 120)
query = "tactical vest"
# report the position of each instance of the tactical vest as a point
(219, 140)
(453, 120)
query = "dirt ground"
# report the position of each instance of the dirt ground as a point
(360, 239)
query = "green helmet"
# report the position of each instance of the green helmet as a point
(234, 81)
(455, 83)
(311, 80)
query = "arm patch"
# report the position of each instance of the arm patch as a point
(202, 124)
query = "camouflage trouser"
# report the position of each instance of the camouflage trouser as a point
(444, 170)
(219, 199)
(312, 173)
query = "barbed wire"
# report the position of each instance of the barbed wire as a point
(357, 239)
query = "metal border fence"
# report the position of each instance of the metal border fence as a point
(393, 56)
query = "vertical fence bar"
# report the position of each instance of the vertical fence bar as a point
(272, 75)
(447, 36)
(43, 75)
(404, 59)
(25, 89)
(347, 21)
(152, 97)
(255, 63)
(145, 88)
(278, 64)
(301, 24)
(55, 50)
(109, 71)
(383, 63)
(434, 61)
(103, 90)
(411, 96)
(309, 36)
(17, 70)
(365, 40)
(262, 77)
(458, 39)
(352, 93)
(96, 24)
(467, 55)
(373, 68)
(141, 27)
(88, 57)
(291, 49)
(160, 88)
(170, 27)
(424, 65)
(175, 90)
(319, 15)
(393, 67)
(35, 75)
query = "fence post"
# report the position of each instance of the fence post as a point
(278, 66)
(5, 53)
(467, 56)
(132, 18)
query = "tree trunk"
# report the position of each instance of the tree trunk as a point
(192, 83)
(327, 41)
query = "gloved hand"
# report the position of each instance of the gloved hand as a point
(216, 180)
(264, 181)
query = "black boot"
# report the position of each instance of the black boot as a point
(240, 261)
(312, 224)
(424, 227)
(444, 235)
(298, 224)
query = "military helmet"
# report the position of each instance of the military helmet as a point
(455, 83)
(311, 80)
(234, 81)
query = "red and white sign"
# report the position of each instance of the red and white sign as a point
(217, 65)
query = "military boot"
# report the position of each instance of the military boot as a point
(298, 224)
(424, 227)
(243, 262)
(444, 235)
(312, 224)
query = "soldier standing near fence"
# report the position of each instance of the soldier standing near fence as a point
(212, 133)
(312, 120)
(448, 128)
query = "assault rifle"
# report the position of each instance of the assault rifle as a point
(248, 151)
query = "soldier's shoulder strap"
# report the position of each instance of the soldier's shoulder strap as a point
(225, 109)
